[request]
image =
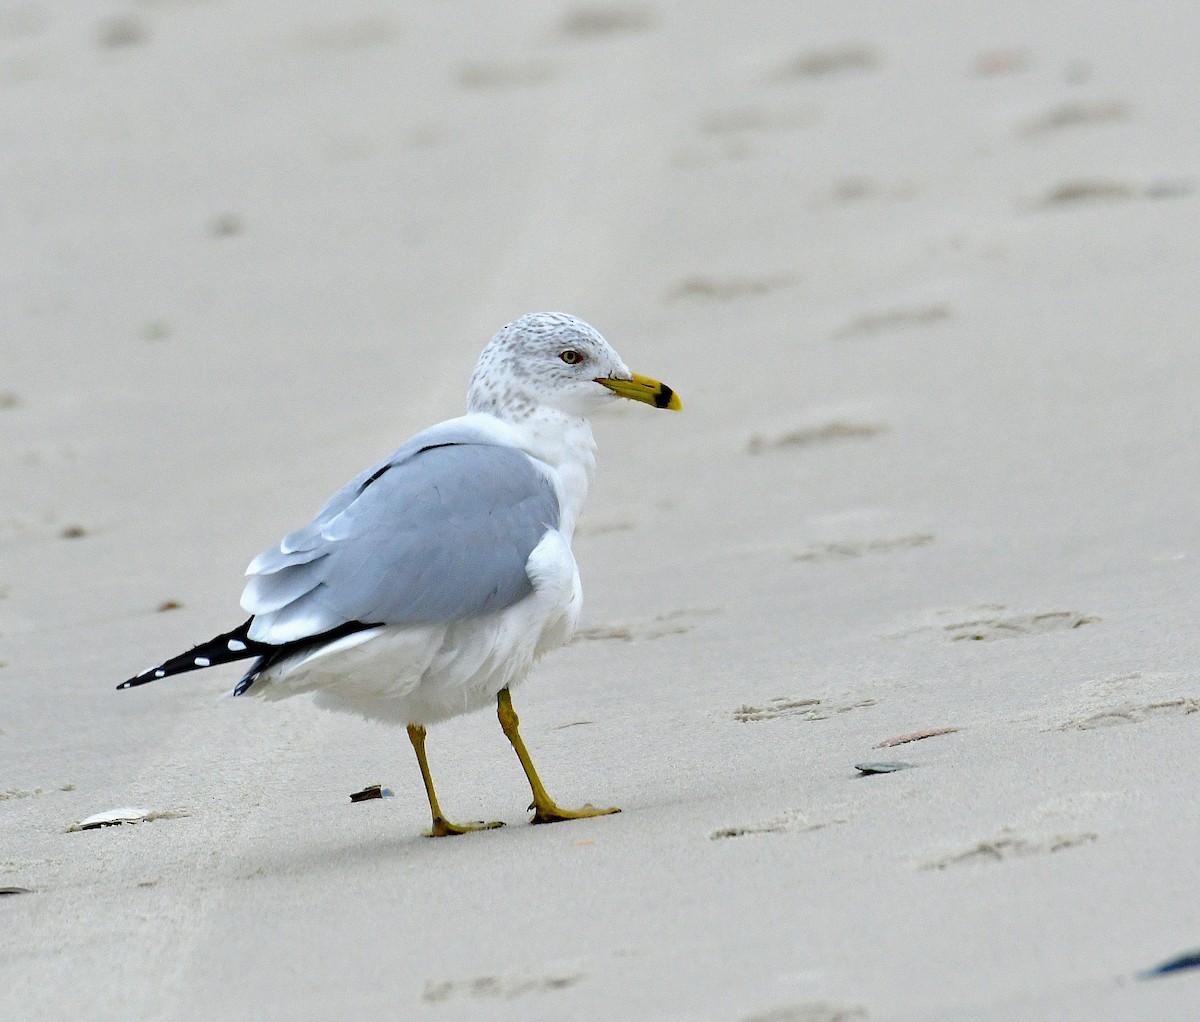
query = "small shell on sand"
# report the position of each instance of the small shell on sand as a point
(1189, 960)
(126, 814)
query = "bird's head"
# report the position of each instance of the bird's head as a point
(554, 360)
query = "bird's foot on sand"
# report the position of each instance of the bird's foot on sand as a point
(551, 813)
(444, 828)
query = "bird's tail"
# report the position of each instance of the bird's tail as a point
(224, 649)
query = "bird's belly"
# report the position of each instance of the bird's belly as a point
(426, 673)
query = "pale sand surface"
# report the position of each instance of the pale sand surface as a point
(925, 277)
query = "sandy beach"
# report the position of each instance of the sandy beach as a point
(924, 276)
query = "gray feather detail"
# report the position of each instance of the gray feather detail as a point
(277, 588)
(442, 533)
(276, 560)
(305, 544)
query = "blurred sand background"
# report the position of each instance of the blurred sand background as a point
(925, 276)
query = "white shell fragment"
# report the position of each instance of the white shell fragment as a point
(127, 814)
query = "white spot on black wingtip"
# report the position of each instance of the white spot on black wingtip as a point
(160, 673)
(236, 645)
(202, 661)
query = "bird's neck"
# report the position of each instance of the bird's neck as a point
(565, 443)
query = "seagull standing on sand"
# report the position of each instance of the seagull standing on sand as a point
(429, 585)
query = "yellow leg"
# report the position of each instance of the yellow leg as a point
(545, 810)
(441, 826)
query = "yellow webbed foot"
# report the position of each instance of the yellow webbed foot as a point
(544, 807)
(441, 826)
(551, 813)
(444, 828)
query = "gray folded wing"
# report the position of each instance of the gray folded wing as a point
(434, 533)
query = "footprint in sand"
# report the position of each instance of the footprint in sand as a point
(603, 21)
(672, 623)
(1134, 713)
(504, 988)
(1074, 115)
(790, 706)
(1010, 845)
(820, 552)
(735, 134)
(887, 320)
(122, 31)
(810, 1011)
(728, 289)
(12, 793)
(849, 191)
(818, 434)
(990, 628)
(791, 821)
(1083, 192)
(992, 621)
(849, 58)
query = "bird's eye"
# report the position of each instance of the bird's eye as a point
(571, 357)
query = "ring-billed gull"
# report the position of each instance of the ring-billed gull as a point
(430, 584)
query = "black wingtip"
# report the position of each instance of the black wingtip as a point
(147, 676)
(237, 645)
(248, 679)
(223, 649)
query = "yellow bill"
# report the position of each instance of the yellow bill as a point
(646, 390)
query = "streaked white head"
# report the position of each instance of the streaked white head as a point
(555, 360)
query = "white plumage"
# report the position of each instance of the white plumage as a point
(430, 584)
